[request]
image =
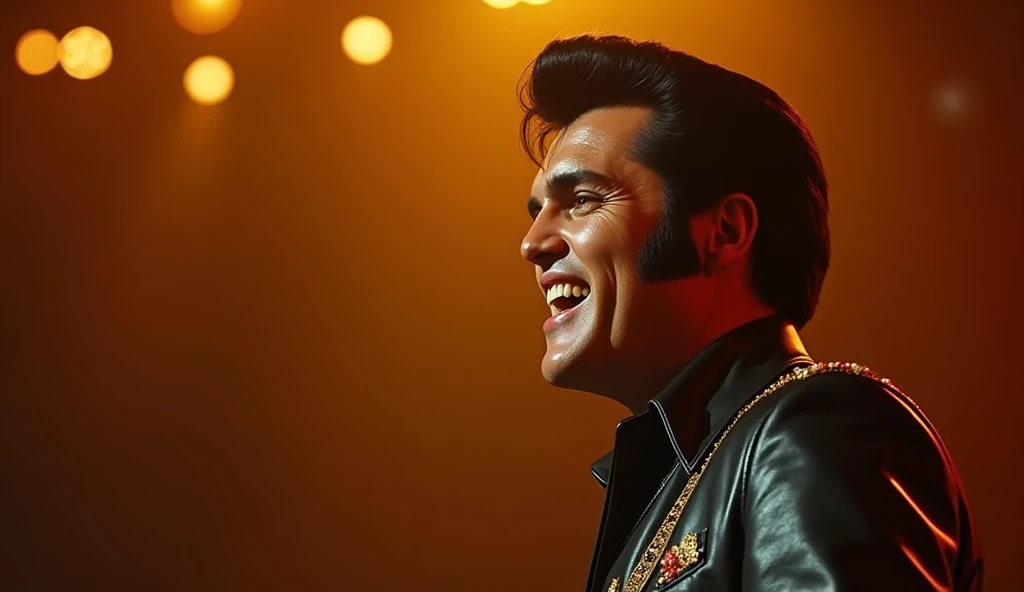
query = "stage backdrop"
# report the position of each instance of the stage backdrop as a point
(286, 342)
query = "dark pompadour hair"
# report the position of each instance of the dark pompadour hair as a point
(713, 132)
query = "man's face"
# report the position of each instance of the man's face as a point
(593, 208)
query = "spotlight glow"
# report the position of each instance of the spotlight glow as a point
(85, 53)
(209, 80)
(36, 52)
(366, 40)
(501, 3)
(204, 17)
(956, 103)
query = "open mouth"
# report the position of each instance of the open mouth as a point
(563, 297)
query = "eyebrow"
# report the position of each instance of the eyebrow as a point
(562, 181)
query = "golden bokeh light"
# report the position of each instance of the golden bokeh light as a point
(366, 40)
(209, 80)
(536, 2)
(36, 52)
(85, 53)
(501, 3)
(204, 17)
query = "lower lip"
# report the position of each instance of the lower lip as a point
(561, 318)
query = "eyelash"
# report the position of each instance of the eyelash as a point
(579, 200)
(582, 199)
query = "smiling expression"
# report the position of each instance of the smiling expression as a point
(592, 208)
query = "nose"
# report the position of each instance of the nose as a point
(543, 245)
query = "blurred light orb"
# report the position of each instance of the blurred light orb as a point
(366, 40)
(501, 3)
(536, 2)
(204, 17)
(85, 53)
(955, 103)
(209, 80)
(36, 52)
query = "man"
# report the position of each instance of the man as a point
(680, 237)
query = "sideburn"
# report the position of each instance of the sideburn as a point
(668, 253)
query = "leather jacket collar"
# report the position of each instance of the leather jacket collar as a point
(725, 375)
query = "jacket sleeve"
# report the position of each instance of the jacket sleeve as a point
(849, 488)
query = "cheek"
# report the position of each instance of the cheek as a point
(606, 252)
(611, 244)
(609, 248)
(630, 306)
(603, 237)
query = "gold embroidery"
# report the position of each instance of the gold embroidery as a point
(687, 550)
(615, 585)
(641, 573)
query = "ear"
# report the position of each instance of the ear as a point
(733, 224)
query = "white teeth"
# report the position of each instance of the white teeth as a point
(554, 310)
(565, 291)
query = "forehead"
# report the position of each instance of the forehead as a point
(600, 140)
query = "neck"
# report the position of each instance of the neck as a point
(636, 388)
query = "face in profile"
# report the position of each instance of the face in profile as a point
(593, 207)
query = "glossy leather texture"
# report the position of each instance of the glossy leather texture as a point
(835, 482)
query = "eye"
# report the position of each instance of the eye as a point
(584, 202)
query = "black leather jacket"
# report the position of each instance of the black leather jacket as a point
(836, 482)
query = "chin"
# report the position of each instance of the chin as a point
(551, 372)
(568, 373)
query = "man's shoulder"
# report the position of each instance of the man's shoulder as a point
(848, 388)
(831, 409)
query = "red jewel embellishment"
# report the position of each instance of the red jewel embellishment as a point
(678, 558)
(669, 566)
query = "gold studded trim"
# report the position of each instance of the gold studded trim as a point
(641, 573)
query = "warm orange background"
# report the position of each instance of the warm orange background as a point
(287, 343)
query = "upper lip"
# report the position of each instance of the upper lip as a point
(553, 278)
